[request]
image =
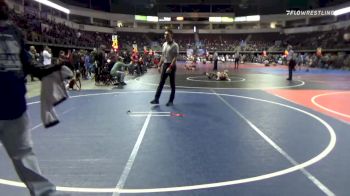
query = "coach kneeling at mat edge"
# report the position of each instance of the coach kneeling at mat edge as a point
(168, 61)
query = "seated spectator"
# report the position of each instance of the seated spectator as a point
(75, 83)
(118, 70)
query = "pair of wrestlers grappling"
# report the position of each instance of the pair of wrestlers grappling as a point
(219, 76)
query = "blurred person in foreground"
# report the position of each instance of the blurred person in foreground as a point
(15, 64)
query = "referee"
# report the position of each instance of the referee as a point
(291, 63)
(168, 61)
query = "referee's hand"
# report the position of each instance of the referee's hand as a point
(159, 69)
(168, 70)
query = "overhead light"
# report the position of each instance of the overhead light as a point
(273, 25)
(180, 18)
(165, 19)
(214, 19)
(226, 19)
(152, 18)
(140, 17)
(253, 18)
(54, 5)
(341, 11)
(241, 19)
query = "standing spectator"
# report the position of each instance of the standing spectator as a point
(34, 56)
(236, 59)
(47, 56)
(100, 62)
(300, 60)
(215, 58)
(76, 60)
(135, 61)
(112, 59)
(87, 65)
(69, 58)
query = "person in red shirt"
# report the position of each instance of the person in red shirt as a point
(155, 61)
(135, 57)
(145, 51)
(136, 63)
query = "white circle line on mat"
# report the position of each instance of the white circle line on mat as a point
(314, 98)
(302, 83)
(319, 157)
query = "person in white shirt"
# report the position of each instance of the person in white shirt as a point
(170, 52)
(47, 56)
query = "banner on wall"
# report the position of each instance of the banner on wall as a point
(115, 45)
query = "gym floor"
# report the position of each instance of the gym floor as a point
(257, 134)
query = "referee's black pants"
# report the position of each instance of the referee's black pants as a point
(291, 66)
(163, 78)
